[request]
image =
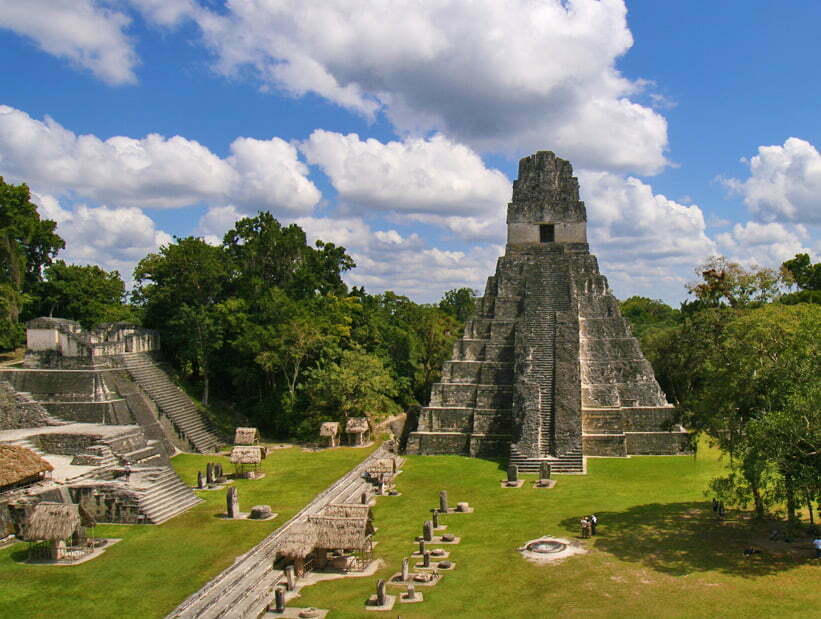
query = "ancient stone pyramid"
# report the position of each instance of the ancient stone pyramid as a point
(547, 369)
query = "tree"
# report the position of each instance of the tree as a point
(87, 294)
(758, 399)
(645, 314)
(725, 283)
(263, 253)
(358, 385)
(179, 289)
(800, 271)
(459, 303)
(27, 245)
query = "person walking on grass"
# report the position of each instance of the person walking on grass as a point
(593, 523)
(817, 543)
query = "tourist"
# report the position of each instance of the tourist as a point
(127, 471)
(715, 505)
(593, 523)
(817, 543)
(584, 525)
(721, 510)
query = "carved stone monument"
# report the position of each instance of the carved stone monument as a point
(547, 369)
(209, 473)
(427, 531)
(381, 597)
(443, 501)
(405, 570)
(200, 481)
(513, 473)
(290, 577)
(232, 502)
(279, 600)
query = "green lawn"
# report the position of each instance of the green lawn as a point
(155, 567)
(659, 551)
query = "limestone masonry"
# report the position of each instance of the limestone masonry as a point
(547, 369)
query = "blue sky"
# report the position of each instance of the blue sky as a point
(394, 127)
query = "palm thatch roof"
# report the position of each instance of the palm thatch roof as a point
(245, 454)
(299, 543)
(51, 522)
(347, 510)
(246, 436)
(329, 428)
(357, 425)
(332, 532)
(18, 464)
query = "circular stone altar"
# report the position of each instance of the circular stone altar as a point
(547, 549)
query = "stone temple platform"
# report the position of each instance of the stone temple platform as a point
(547, 369)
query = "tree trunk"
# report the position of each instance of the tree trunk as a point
(205, 383)
(759, 502)
(790, 488)
(809, 507)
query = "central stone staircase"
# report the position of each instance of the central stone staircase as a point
(172, 402)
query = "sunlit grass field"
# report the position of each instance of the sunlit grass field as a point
(154, 568)
(659, 551)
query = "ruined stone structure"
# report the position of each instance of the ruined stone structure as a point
(547, 369)
(96, 406)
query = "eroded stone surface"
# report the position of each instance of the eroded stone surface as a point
(547, 369)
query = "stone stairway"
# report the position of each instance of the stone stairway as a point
(172, 402)
(28, 444)
(166, 495)
(571, 462)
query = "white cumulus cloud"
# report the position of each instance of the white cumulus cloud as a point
(647, 243)
(504, 76)
(416, 175)
(784, 183)
(89, 34)
(114, 238)
(153, 171)
(387, 260)
(769, 244)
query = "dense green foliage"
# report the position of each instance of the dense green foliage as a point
(747, 373)
(87, 294)
(267, 321)
(27, 245)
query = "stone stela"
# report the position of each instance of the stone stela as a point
(548, 369)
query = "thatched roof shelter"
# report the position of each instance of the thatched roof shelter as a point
(347, 510)
(246, 454)
(51, 522)
(246, 436)
(18, 464)
(334, 532)
(357, 425)
(299, 543)
(329, 428)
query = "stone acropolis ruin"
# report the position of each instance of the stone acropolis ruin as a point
(547, 369)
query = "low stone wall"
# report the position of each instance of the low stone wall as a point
(108, 503)
(609, 445)
(16, 412)
(649, 419)
(658, 443)
(602, 422)
(51, 382)
(65, 444)
(85, 412)
(429, 444)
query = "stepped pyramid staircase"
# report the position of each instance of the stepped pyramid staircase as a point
(172, 402)
(549, 295)
(166, 497)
